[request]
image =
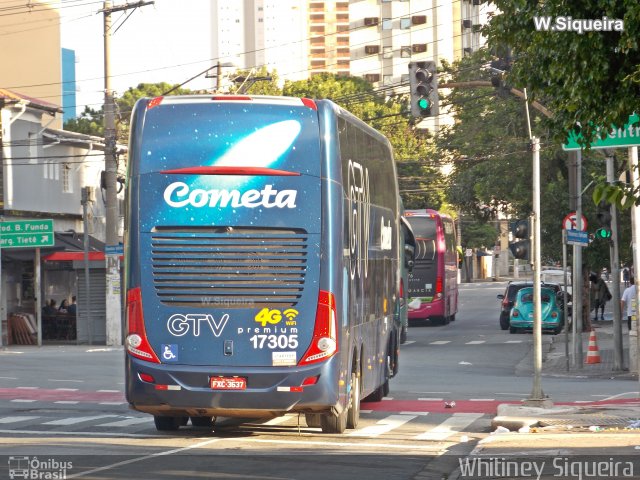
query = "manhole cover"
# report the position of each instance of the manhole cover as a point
(586, 420)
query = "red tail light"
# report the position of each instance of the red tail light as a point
(438, 286)
(136, 342)
(324, 343)
(401, 288)
(515, 313)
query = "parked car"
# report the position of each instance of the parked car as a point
(509, 296)
(521, 317)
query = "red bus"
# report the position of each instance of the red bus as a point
(433, 282)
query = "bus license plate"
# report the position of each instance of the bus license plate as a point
(228, 383)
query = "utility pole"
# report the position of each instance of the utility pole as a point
(113, 290)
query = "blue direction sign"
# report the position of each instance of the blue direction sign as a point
(577, 237)
(114, 249)
(27, 234)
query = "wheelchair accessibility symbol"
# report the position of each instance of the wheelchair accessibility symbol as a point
(170, 352)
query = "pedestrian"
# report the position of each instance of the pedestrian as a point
(628, 300)
(600, 295)
(50, 308)
(72, 309)
(625, 276)
(63, 306)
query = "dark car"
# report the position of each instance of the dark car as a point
(509, 297)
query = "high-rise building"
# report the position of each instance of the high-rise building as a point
(329, 34)
(256, 33)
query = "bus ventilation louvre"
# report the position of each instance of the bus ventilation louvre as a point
(236, 267)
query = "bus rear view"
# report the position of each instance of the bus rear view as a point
(433, 282)
(234, 219)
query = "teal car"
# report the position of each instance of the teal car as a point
(521, 317)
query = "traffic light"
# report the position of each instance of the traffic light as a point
(604, 219)
(521, 245)
(423, 84)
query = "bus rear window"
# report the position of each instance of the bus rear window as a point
(230, 134)
(423, 227)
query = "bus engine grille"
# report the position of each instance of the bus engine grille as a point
(229, 266)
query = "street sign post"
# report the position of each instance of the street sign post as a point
(570, 222)
(27, 234)
(577, 237)
(626, 136)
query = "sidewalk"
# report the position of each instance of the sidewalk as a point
(614, 415)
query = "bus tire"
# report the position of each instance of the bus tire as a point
(312, 419)
(165, 424)
(206, 422)
(353, 414)
(331, 423)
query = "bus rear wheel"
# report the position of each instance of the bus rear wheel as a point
(312, 419)
(206, 422)
(164, 424)
(331, 423)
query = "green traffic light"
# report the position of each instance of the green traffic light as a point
(423, 103)
(603, 233)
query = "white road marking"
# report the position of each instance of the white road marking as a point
(414, 413)
(513, 341)
(431, 399)
(126, 423)
(16, 419)
(109, 391)
(382, 426)
(112, 403)
(145, 457)
(481, 399)
(75, 420)
(27, 388)
(65, 380)
(67, 389)
(67, 402)
(475, 342)
(440, 342)
(22, 400)
(450, 426)
(409, 342)
(8, 378)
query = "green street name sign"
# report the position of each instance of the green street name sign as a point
(627, 136)
(27, 234)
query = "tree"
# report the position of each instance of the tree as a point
(256, 82)
(589, 78)
(90, 122)
(488, 146)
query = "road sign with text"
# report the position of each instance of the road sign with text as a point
(625, 136)
(27, 234)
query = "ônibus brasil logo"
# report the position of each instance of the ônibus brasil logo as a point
(179, 194)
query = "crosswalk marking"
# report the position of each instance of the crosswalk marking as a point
(440, 342)
(75, 420)
(22, 400)
(126, 423)
(513, 341)
(16, 419)
(431, 399)
(450, 426)
(67, 402)
(383, 426)
(475, 342)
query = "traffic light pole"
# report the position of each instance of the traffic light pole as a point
(537, 398)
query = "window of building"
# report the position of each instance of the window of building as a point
(67, 185)
(387, 24)
(387, 52)
(405, 52)
(387, 79)
(405, 23)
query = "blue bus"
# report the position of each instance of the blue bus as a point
(262, 266)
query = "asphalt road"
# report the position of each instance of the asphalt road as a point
(65, 404)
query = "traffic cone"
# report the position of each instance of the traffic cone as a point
(593, 354)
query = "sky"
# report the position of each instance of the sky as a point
(168, 41)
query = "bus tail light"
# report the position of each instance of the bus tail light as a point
(438, 287)
(136, 342)
(401, 288)
(324, 343)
